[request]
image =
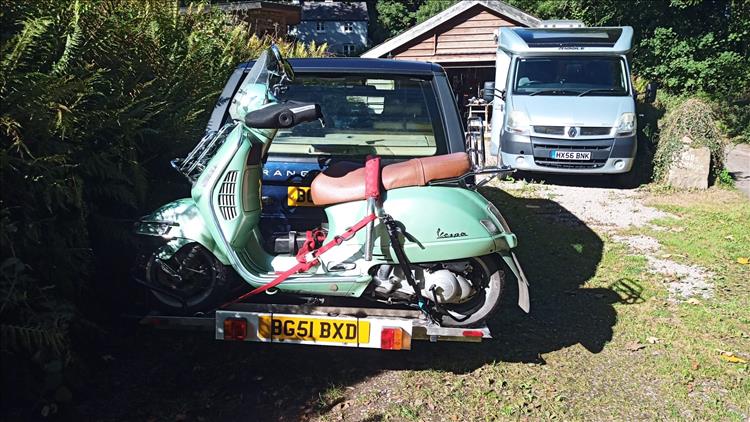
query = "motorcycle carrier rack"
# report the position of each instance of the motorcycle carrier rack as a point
(374, 328)
(196, 161)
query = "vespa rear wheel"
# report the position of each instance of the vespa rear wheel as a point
(488, 280)
(191, 281)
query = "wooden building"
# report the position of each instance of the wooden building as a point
(461, 39)
(263, 17)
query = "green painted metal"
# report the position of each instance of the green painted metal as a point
(442, 223)
(186, 225)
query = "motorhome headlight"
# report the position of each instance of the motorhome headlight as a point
(518, 122)
(625, 125)
(496, 213)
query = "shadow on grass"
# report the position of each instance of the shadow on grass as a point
(166, 375)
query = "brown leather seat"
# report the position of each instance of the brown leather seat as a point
(344, 182)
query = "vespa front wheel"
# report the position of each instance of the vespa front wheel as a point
(190, 281)
(488, 280)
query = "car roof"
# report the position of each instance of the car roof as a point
(357, 64)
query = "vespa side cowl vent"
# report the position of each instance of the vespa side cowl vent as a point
(227, 199)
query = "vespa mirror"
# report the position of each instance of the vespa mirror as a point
(287, 73)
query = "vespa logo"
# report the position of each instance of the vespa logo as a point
(443, 235)
(572, 132)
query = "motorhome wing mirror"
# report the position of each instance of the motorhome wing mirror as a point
(283, 115)
(488, 93)
(650, 92)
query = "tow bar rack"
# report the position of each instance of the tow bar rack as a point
(375, 328)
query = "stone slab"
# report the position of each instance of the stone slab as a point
(690, 169)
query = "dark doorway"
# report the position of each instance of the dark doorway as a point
(467, 81)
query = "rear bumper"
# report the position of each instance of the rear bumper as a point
(529, 153)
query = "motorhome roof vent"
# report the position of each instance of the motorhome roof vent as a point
(561, 24)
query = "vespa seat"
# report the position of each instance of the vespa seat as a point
(345, 181)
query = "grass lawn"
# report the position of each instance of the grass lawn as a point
(605, 340)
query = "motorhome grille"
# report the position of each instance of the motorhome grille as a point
(226, 199)
(550, 130)
(592, 164)
(578, 147)
(594, 131)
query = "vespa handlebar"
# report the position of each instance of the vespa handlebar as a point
(283, 115)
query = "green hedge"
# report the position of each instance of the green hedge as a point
(96, 97)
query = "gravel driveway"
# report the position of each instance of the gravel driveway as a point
(617, 213)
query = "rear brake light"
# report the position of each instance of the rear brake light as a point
(473, 333)
(235, 329)
(391, 338)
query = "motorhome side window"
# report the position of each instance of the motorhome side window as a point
(579, 75)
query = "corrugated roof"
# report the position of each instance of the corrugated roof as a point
(334, 11)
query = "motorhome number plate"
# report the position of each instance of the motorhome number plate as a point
(571, 155)
(280, 328)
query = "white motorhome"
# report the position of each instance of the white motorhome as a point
(564, 102)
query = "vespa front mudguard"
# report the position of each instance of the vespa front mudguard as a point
(523, 283)
(176, 224)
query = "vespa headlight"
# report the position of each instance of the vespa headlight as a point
(154, 228)
(518, 123)
(499, 217)
(625, 125)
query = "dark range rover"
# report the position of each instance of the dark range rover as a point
(394, 109)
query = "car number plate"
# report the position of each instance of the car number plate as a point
(299, 196)
(280, 328)
(571, 155)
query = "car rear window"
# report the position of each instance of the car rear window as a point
(377, 114)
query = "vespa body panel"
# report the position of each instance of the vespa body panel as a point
(441, 223)
(179, 223)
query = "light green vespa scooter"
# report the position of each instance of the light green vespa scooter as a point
(437, 244)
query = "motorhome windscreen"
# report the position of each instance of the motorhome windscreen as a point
(571, 75)
(377, 114)
(578, 37)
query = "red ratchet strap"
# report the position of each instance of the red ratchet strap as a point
(305, 253)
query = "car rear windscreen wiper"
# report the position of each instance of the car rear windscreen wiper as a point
(554, 91)
(589, 91)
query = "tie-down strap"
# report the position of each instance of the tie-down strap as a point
(308, 259)
(308, 254)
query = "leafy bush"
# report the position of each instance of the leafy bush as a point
(735, 119)
(696, 64)
(694, 119)
(96, 95)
